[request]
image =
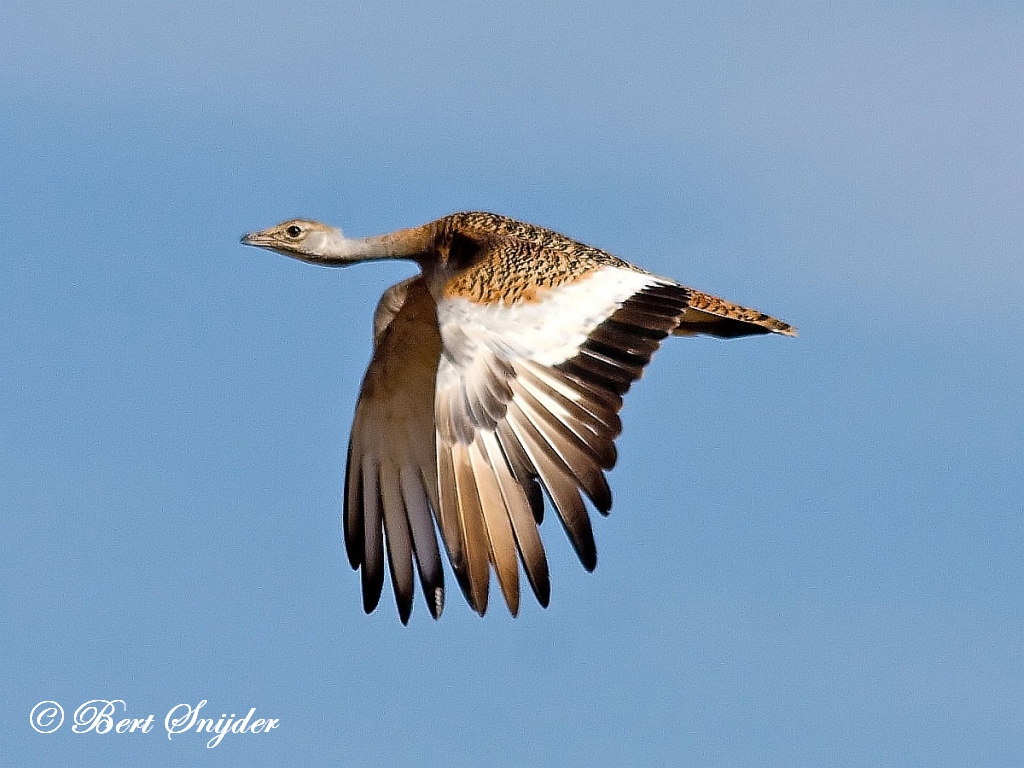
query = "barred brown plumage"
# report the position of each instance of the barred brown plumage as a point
(496, 372)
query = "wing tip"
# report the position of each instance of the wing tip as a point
(542, 592)
(371, 599)
(437, 604)
(513, 607)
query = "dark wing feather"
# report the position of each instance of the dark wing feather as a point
(528, 398)
(391, 480)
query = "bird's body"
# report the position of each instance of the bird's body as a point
(496, 372)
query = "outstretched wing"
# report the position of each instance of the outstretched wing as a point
(528, 395)
(469, 411)
(391, 476)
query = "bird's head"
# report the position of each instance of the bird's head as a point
(301, 239)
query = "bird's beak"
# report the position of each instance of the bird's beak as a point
(254, 238)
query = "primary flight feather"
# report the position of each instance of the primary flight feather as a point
(497, 372)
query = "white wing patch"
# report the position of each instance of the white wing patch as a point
(548, 331)
(483, 343)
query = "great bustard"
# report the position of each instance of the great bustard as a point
(497, 371)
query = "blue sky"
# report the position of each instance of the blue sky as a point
(815, 555)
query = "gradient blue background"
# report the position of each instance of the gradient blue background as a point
(815, 555)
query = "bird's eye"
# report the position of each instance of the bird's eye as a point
(293, 231)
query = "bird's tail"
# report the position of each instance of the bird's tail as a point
(718, 317)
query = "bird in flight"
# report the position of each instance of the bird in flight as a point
(497, 372)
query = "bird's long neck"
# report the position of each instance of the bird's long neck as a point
(402, 244)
